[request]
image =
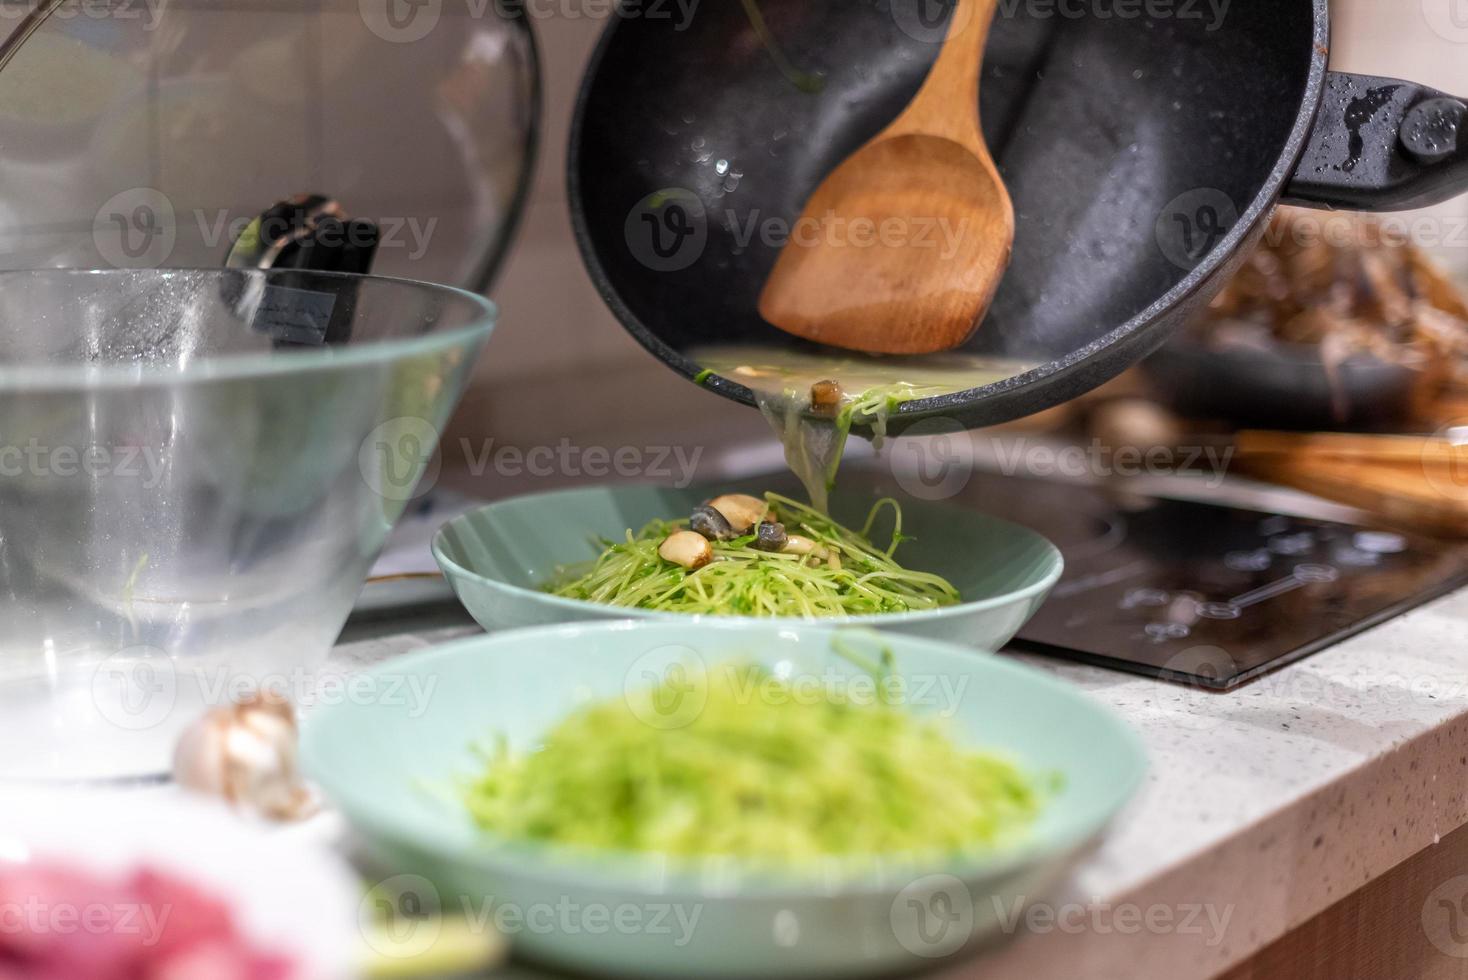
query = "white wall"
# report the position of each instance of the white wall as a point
(1425, 41)
(559, 363)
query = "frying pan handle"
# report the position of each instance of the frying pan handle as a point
(1382, 144)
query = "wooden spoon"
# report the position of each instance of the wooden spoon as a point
(901, 248)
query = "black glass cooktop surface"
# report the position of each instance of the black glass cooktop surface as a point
(1205, 594)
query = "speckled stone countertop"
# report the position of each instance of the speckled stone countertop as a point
(1263, 806)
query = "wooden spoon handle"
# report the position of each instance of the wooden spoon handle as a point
(953, 81)
(1421, 451)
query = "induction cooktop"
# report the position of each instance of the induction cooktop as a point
(1204, 594)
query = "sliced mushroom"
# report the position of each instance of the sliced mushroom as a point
(711, 524)
(825, 398)
(687, 548)
(799, 544)
(741, 510)
(770, 536)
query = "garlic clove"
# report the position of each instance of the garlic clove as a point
(198, 757)
(742, 511)
(246, 754)
(799, 544)
(687, 548)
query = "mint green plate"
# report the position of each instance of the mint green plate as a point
(390, 756)
(497, 557)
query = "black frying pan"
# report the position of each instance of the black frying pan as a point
(1143, 154)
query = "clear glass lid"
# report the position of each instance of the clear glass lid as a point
(150, 134)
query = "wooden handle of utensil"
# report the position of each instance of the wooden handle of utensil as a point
(953, 81)
(1397, 493)
(1419, 450)
(1414, 481)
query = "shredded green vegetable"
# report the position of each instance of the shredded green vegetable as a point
(809, 82)
(875, 405)
(856, 578)
(814, 444)
(753, 767)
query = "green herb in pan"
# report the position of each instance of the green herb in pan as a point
(742, 556)
(752, 766)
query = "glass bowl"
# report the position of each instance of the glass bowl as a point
(197, 469)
